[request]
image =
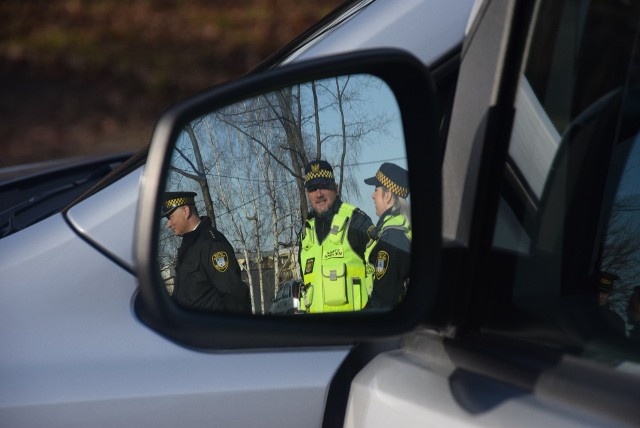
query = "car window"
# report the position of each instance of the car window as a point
(570, 209)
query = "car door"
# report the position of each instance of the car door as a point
(77, 353)
(539, 287)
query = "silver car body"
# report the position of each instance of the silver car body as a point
(75, 354)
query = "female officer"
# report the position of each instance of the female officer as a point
(389, 250)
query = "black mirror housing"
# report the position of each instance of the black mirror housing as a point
(414, 90)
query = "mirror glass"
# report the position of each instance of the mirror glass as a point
(238, 229)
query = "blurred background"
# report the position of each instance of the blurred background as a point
(91, 77)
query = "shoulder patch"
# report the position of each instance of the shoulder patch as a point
(382, 262)
(220, 261)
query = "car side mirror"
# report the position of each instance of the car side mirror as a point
(233, 197)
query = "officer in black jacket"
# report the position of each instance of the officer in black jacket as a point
(207, 271)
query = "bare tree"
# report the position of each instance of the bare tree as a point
(621, 250)
(197, 171)
(248, 158)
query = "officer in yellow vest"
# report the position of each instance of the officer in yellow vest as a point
(388, 253)
(332, 245)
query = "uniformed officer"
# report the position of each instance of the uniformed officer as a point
(332, 244)
(388, 252)
(207, 271)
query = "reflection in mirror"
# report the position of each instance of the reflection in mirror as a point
(273, 204)
(619, 257)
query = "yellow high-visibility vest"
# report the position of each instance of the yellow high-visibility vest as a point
(334, 275)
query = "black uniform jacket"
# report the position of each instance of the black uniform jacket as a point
(208, 273)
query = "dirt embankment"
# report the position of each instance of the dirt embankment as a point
(81, 77)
